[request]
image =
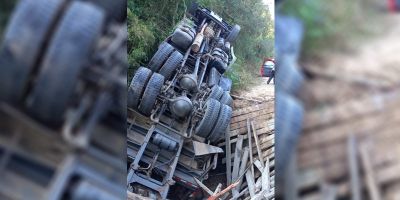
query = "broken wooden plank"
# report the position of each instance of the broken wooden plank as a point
(250, 183)
(250, 146)
(236, 161)
(265, 177)
(373, 189)
(257, 144)
(204, 187)
(243, 166)
(354, 169)
(217, 189)
(259, 166)
(228, 156)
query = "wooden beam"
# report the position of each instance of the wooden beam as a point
(353, 168)
(236, 161)
(257, 144)
(250, 183)
(250, 146)
(374, 191)
(228, 156)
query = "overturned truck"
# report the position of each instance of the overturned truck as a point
(179, 106)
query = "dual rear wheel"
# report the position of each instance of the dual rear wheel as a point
(42, 73)
(215, 121)
(144, 89)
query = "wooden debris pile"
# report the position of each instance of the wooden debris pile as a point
(350, 144)
(250, 152)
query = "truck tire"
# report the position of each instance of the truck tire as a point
(233, 34)
(182, 38)
(213, 77)
(150, 94)
(224, 118)
(219, 64)
(23, 42)
(225, 84)
(288, 76)
(171, 64)
(212, 108)
(288, 126)
(226, 99)
(114, 9)
(136, 88)
(66, 56)
(216, 92)
(163, 52)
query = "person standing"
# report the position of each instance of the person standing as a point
(272, 74)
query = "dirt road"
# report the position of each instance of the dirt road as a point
(260, 91)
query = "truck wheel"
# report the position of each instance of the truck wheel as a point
(66, 56)
(288, 77)
(212, 108)
(114, 9)
(163, 52)
(182, 38)
(213, 77)
(171, 64)
(23, 42)
(224, 118)
(233, 34)
(219, 64)
(225, 84)
(136, 88)
(216, 92)
(150, 94)
(288, 123)
(226, 99)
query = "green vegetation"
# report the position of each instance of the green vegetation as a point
(6, 7)
(150, 21)
(331, 24)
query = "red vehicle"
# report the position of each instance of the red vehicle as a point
(393, 5)
(267, 66)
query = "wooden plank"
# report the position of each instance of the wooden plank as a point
(251, 115)
(352, 109)
(250, 183)
(228, 157)
(259, 166)
(259, 118)
(218, 189)
(263, 132)
(204, 187)
(353, 168)
(257, 144)
(243, 166)
(373, 189)
(253, 108)
(236, 161)
(328, 192)
(250, 145)
(265, 177)
(360, 126)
